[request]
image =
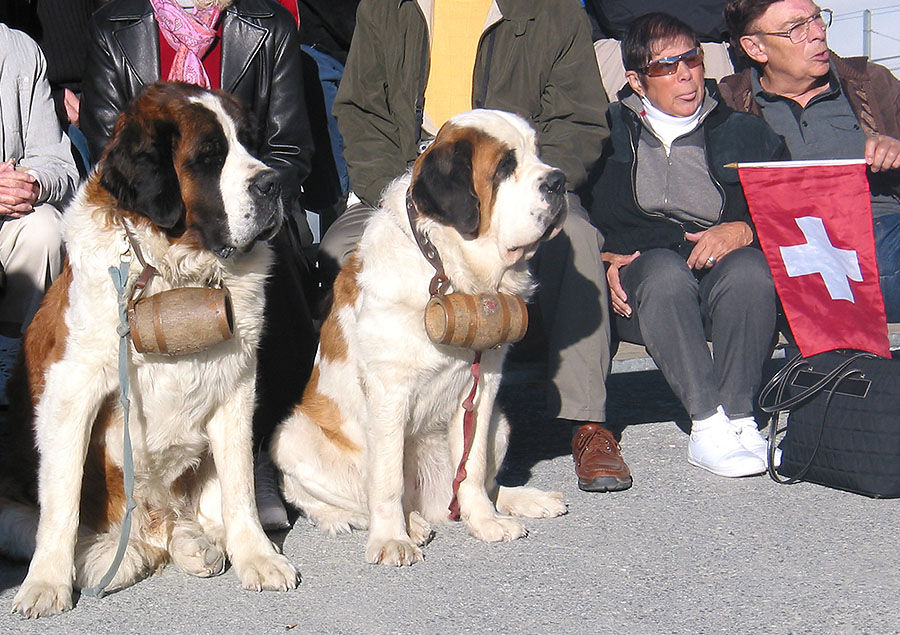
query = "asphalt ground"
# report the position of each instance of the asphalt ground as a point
(682, 551)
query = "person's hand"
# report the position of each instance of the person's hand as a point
(72, 105)
(882, 153)
(66, 104)
(716, 242)
(18, 191)
(616, 293)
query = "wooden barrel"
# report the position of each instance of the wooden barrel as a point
(181, 321)
(476, 322)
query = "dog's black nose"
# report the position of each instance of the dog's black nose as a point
(554, 183)
(265, 184)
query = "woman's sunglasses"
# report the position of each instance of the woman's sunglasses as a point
(669, 65)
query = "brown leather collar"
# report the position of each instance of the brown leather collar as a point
(440, 281)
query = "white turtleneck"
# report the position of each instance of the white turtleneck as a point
(668, 127)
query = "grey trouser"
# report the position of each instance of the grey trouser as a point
(31, 251)
(673, 311)
(572, 297)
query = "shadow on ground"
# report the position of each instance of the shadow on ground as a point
(633, 399)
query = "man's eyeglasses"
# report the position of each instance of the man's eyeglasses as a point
(800, 31)
(669, 65)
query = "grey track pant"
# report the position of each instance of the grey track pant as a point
(674, 310)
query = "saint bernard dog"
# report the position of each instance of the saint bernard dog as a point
(177, 174)
(378, 435)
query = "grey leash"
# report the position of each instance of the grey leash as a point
(120, 278)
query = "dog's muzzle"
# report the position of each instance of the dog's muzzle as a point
(265, 193)
(552, 187)
(266, 212)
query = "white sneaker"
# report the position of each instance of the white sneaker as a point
(272, 514)
(752, 439)
(715, 447)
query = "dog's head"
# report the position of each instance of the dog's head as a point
(180, 156)
(482, 176)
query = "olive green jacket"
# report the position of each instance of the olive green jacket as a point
(534, 59)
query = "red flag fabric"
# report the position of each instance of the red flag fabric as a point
(814, 222)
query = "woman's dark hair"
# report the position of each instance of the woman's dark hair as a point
(649, 30)
(739, 15)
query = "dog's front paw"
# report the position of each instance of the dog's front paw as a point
(37, 599)
(530, 502)
(267, 572)
(496, 528)
(394, 552)
(196, 555)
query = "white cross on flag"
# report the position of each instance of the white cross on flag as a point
(814, 222)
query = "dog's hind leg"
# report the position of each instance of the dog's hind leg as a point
(426, 493)
(528, 502)
(331, 519)
(194, 552)
(94, 553)
(197, 543)
(320, 473)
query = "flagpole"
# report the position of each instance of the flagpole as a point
(796, 164)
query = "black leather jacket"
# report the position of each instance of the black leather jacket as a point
(260, 66)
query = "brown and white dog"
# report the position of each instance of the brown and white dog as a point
(178, 174)
(377, 437)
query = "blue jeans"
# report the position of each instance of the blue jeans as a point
(887, 253)
(79, 141)
(330, 73)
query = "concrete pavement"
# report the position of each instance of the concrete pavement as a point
(682, 551)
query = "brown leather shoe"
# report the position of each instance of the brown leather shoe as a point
(598, 460)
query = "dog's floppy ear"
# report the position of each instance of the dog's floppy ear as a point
(137, 169)
(443, 186)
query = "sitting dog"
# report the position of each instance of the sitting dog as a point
(176, 176)
(378, 435)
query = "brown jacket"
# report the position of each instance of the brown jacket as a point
(874, 95)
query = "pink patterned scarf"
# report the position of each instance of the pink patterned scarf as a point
(191, 35)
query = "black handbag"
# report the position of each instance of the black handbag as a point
(843, 424)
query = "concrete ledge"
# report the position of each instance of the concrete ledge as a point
(631, 358)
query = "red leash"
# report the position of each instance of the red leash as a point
(438, 286)
(468, 429)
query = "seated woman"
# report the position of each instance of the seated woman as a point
(683, 260)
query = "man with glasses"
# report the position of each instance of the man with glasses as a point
(824, 106)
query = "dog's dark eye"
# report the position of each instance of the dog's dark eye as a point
(209, 156)
(213, 159)
(506, 167)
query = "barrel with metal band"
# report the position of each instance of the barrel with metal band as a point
(181, 321)
(476, 322)
(178, 321)
(465, 320)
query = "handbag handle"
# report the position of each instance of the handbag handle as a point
(779, 383)
(789, 372)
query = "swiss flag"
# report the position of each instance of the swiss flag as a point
(814, 222)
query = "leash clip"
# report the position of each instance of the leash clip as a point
(125, 254)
